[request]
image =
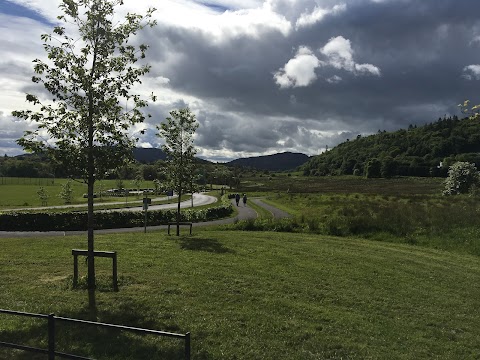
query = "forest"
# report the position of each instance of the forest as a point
(423, 151)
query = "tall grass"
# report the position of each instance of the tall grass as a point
(450, 223)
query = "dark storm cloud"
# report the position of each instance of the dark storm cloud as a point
(420, 49)
(390, 63)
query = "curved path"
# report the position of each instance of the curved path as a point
(244, 213)
(276, 212)
(198, 200)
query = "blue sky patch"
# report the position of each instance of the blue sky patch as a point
(215, 7)
(12, 9)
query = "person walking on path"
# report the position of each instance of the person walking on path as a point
(237, 198)
(244, 199)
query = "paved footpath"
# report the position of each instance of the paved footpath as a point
(244, 213)
(277, 213)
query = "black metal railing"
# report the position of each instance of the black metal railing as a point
(52, 319)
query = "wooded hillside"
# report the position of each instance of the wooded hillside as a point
(417, 151)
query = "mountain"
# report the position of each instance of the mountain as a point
(148, 155)
(276, 162)
(417, 151)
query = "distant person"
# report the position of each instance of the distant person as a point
(237, 198)
(244, 199)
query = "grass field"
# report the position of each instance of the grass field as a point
(400, 282)
(21, 193)
(250, 296)
(283, 183)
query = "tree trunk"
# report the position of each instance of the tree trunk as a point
(178, 212)
(90, 224)
(90, 236)
(91, 183)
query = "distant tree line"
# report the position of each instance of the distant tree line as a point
(426, 150)
(35, 166)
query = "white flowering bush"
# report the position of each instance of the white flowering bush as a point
(462, 177)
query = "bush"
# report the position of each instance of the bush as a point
(462, 177)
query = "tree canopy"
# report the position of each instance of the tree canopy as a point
(89, 73)
(417, 151)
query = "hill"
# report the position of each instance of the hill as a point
(148, 155)
(276, 162)
(417, 151)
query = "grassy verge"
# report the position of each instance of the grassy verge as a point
(262, 212)
(250, 296)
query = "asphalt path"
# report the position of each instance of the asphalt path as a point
(243, 213)
(198, 200)
(276, 213)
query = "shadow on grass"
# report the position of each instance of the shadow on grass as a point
(204, 244)
(94, 341)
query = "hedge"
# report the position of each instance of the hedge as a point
(68, 221)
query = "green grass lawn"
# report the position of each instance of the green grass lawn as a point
(22, 192)
(249, 295)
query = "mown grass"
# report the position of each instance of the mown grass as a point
(250, 295)
(23, 192)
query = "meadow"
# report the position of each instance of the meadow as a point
(364, 269)
(404, 210)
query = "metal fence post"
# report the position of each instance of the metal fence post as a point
(51, 337)
(187, 346)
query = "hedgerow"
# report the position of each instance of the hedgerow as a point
(69, 221)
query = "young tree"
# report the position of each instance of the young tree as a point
(177, 131)
(89, 73)
(67, 192)
(43, 195)
(137, 182)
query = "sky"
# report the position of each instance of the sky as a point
(269, 76)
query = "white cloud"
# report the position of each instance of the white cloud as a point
(249, 22)
(471, 72)
(318, 13)
(339, 54)
(335, 79)
(367, 68)
(299, 71)
(476, 39)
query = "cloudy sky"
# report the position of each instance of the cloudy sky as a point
(267, 76)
